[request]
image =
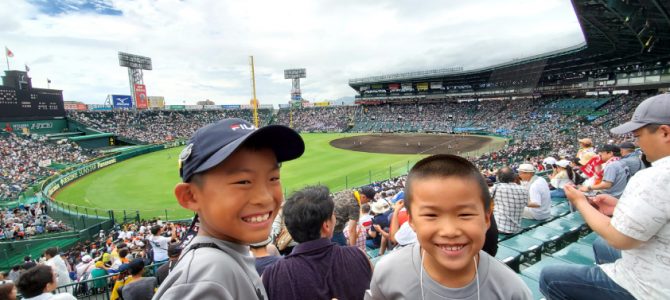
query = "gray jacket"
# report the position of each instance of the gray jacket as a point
(211, 273)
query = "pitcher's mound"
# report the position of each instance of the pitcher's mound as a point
(412, 143)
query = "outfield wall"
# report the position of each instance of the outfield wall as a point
(52, 184)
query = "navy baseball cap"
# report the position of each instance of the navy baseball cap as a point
(212, 144)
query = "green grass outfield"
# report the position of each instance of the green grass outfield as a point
(146, 183)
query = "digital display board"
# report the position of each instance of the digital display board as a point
(134, 61)
(295, 73)
(19, 101)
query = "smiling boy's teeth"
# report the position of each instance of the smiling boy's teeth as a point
(452, 248)
(257, 219)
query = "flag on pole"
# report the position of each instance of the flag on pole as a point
(48, 80)
(27, 68)
(8, 52)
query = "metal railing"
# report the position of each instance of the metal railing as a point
(99, 288)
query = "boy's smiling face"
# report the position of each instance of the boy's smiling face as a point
(238, 200)
(450, 221)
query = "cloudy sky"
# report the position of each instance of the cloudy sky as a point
(200, 48)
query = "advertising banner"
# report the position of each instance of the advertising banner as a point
(122, 101)
(422, 86)
(177, 107)
(436, 85)
(211, 107)
(364, 88)
(230, 106)
(266, 106)
(156, 101)
(44, 163)
(377, 86)
(43, 126)
(82, 106)
(70, 105)
(407, 86)
(324, 103)
(394, 86)
(141, 96)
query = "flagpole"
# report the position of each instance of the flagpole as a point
(7, 58)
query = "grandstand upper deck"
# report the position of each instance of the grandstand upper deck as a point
(627, 46)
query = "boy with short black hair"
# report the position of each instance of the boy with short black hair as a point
(39, 282)
(450, 208)
(230, 174)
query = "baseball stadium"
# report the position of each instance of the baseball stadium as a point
(92, 179)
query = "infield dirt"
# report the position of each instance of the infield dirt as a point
(412, 143)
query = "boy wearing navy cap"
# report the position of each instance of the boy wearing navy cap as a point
(230, 174)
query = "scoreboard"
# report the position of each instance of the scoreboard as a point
(20, 101)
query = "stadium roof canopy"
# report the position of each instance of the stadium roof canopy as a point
(620, 37)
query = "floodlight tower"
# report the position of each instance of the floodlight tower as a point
(296, 94)
(135, 65)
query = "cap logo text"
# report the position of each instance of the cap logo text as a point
(235, 127)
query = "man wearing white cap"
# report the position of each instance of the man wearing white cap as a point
(539, 206)
(85, 266)
(560, 177)
(638, 226)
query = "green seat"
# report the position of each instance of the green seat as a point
(551, 238)
(372, 253)
(560, 210)
(571, 228)
(534, 271)
(529, 223)
(533, 285)
(576, 253)
(556, 201)
(575, 216)
(502, 236)
(529, 248)
(509, 257)
(588, 239)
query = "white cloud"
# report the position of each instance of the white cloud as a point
(200, 48)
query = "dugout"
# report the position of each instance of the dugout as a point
(95, 141)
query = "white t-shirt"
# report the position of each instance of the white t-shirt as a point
(366, 221)
(405, 235)
(159, 245)
(642, 213)
(58, 265)
(539, 194)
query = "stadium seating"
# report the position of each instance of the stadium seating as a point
(576, 253)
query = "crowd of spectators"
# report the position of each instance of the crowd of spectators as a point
(317, 119)
(110, 261)
(26, 221)
(26, 159)
(536, 127)
(157, 126)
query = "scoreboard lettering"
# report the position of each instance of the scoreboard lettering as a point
(19, 101)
